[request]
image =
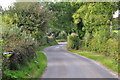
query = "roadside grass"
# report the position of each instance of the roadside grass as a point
(106, 61)
(40, 64)
(61, 40)
(33, 69)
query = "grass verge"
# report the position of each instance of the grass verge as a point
(106, 61)
(33, 69)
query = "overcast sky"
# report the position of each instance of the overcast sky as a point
(116, 14)
(6, 3)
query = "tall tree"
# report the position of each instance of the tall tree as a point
(95, 14)
(31, 15)
(63, 12)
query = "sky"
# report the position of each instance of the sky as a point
(115, 15)
(6, 3)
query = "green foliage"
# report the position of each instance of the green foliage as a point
(34, 69)
(33, 21)
(95, 14)
(99, 37)
(63, 12)
(24, 30)
(84, 43)
(51, 41)
(10, 20)
(72, 42)
(61, 35)
(22, 14)
(31, 26)
(112, 49)
(1, 46)
(97, 18)
(21, 44)
(102, 42)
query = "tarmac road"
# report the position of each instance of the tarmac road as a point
(65, 64)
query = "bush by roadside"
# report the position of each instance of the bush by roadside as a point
(103, 42)
(19, 53)
(33, 69)
(21, 46)
(100, 42)
(73, 42)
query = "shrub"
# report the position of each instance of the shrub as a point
(113, 49)
(72, 42)
(51, 41)
(1, 45)
(62, 35)
(21, 44)
(102, 42)
(34, 69)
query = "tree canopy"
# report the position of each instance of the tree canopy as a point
(95, 14)
(28, 14)
(63, 15)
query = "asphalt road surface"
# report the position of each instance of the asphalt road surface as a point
(65, 64)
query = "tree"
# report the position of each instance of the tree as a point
(79, 30)
(63, 12)
(95, 14)
(28, 14)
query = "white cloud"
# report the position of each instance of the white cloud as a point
(116, 14)
(6, 3)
